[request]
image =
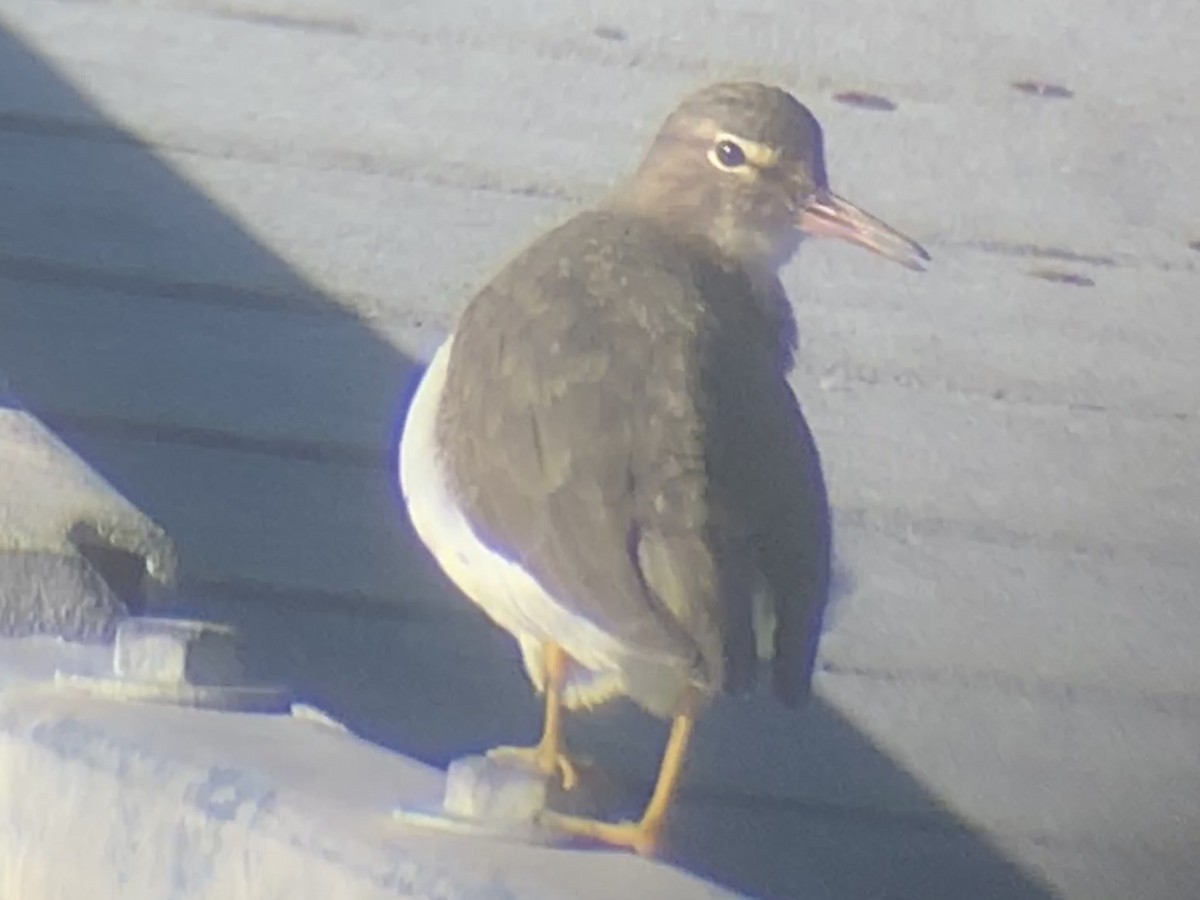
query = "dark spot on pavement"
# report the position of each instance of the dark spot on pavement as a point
(1058, 254)
(1043, 89)
(610, 33)
(863, 100)
(297, 23)
(1059, 277)
(1195, 245)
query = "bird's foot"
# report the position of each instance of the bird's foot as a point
(643, 837)
(550, 762)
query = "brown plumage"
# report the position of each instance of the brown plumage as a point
(612, 417)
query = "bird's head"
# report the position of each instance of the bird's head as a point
(743, 165)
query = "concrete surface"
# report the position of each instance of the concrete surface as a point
(103, 798)
(231, 231)
(75, 556)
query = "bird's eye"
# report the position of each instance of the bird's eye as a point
(728, 155)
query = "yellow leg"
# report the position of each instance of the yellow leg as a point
(549, 755)
(644, 835)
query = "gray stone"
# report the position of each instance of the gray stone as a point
(43, 592)
(75, 555)
(178, 662)
(498, 792)
(174, 650)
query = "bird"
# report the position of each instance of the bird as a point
(605, 453)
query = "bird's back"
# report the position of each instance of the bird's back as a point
(616, 418)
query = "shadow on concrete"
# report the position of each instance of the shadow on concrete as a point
(831, 816)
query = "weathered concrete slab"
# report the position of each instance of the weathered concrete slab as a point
(213, 805)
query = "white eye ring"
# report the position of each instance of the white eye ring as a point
(727, 155)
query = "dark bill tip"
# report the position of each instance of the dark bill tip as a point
(828, 215)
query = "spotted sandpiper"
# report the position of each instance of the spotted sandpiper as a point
(606, 456)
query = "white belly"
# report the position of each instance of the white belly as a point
(513, 599)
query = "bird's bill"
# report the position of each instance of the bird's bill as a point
(828, 215)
